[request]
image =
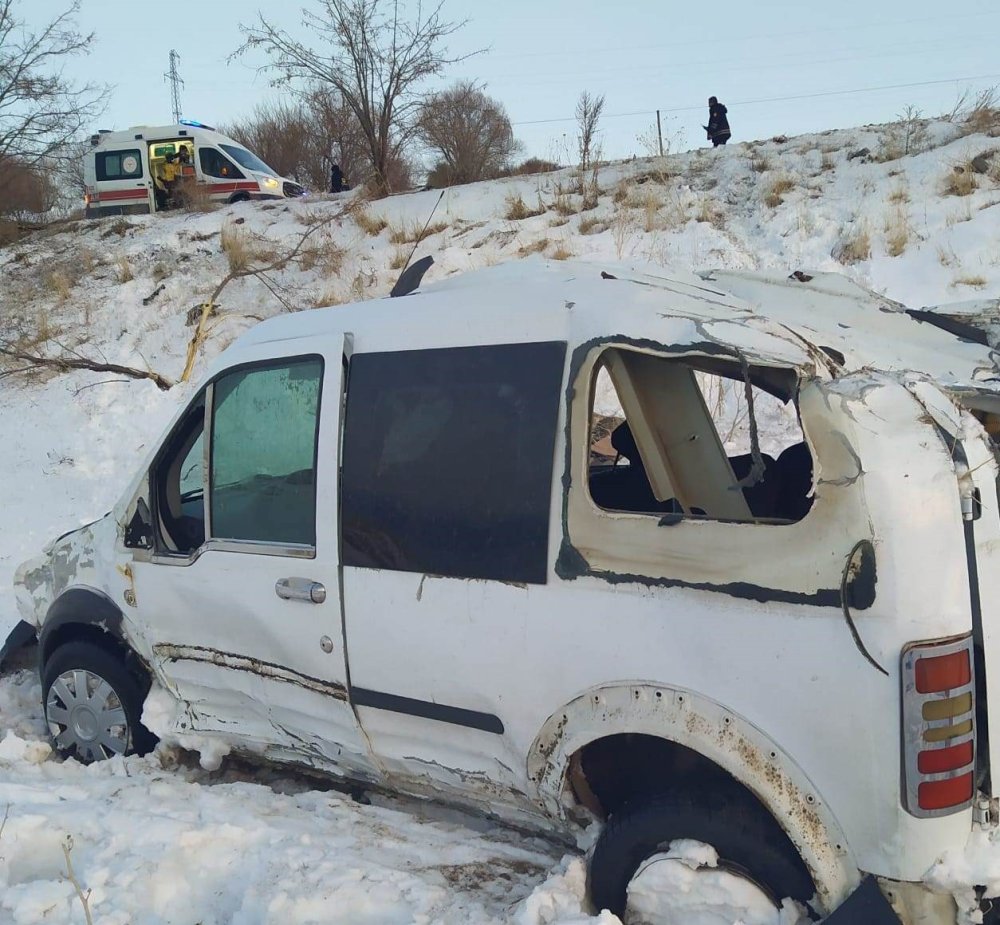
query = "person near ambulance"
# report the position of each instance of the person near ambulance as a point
(169, 173)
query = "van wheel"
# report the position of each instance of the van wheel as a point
(93, 704)
(239, 197)
(631, 875)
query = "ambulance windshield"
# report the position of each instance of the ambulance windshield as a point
(245, 159)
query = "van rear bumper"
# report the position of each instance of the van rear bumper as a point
(102, 211)
(917, 904)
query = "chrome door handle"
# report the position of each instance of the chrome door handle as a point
(300, 589)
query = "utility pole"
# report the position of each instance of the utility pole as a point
(175, 84)
(659, 131)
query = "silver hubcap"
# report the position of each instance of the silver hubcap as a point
(84, 713)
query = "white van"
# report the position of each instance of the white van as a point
(121, 170)
(381, 542)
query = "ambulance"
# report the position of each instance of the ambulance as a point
(124, 171)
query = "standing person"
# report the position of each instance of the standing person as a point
(718, 124)
(336, 179)
(169, 173)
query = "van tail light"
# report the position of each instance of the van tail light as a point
(939, 726)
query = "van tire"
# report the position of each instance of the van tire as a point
(239, 197)
(743, 833)
(99, 662)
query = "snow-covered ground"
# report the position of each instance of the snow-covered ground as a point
(158, 840)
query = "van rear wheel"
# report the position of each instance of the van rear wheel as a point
(93, 704)
(635, 874)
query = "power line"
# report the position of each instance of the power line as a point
(655, 69)
(716, 39)
(776, 99)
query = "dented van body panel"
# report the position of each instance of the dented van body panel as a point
(765, 638)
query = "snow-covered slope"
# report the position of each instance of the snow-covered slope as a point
(126, 290)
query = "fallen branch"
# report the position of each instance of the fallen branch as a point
(67, 847)
(93, 385)
(65, 364)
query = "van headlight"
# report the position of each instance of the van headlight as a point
(269, 183)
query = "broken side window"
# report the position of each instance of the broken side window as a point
(179, 485)
(679, 437)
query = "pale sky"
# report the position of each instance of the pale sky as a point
(642, 55)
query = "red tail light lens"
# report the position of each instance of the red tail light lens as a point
(943, 672)
(943, 794)
(940, 760)
(939, 726)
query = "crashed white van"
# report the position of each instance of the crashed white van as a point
(383, 542)
(121, 169)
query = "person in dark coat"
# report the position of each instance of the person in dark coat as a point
(336, 179)
(718, 124)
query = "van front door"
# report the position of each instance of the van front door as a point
(240, 598)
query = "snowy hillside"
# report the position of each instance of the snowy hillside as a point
(923, 229)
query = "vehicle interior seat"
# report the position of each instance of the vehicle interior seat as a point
(626, 488)
(794, 475)
(762, 497)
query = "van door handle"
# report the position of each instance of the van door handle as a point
(300, 589)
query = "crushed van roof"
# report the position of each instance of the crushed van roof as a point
(807, 320)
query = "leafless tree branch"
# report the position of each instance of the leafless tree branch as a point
(67, 363)
(41, 110)
(588, 114)
(259, 271)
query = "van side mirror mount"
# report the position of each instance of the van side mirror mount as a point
(139, 532)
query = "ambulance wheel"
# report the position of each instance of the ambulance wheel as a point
(239, 197)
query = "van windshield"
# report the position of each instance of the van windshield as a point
(245, 159)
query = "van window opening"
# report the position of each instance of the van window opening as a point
(247, 159)
(669, 437)
(179, 483)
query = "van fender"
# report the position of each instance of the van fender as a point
(722, 736)
(84, 606)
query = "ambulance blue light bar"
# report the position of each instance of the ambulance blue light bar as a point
(194, 124)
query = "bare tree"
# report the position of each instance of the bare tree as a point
(588, 114)
(341, 139)
(283, 135)
(27, 190)
(372, 56)
(41, 111)
(469, 131)
(304, 137)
